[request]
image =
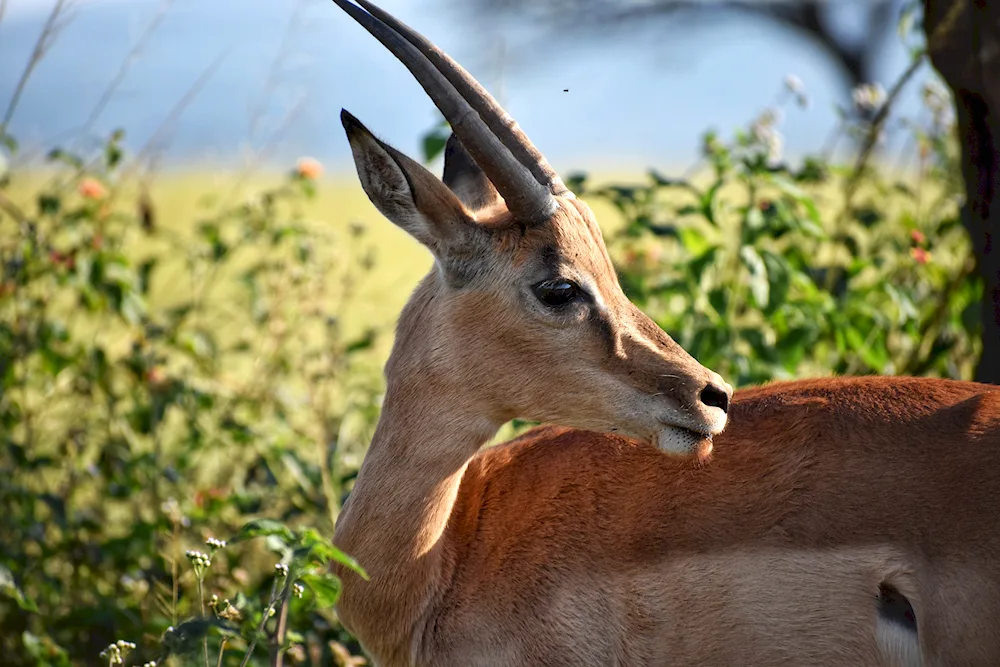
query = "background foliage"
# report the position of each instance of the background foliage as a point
(139, 433)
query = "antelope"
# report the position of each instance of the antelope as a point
(841, 521)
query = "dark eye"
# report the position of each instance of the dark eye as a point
(557, 292)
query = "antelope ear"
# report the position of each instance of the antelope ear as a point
(410, 196)
(465, 178)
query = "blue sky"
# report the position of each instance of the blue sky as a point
(635, 99)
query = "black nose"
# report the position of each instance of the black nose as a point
(715, 397)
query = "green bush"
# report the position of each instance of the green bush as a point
(134, 432)
(764, 271)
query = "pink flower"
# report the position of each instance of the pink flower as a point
(309, 168)
(920, 255)
(92, 189)
(918, 236)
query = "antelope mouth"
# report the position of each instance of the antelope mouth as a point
(684, 442)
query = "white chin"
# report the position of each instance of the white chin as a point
(682, 442)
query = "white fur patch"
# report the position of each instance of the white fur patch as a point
(682, 442)
(898, 646)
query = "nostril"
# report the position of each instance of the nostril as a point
(715, 397)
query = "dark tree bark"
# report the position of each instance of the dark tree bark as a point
(963, 41)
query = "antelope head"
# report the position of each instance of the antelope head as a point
(522, 315)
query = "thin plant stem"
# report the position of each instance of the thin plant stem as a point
(42, 45)
(263, 623)
(277, 655)
(201, 602)
(126, 65)
(159, 141)
(937, 320)
(173, 572)
(865, 154)
(274, 72)
(871, 138)
(262, 153)
(222, 649)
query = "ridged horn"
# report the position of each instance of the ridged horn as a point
(496, 118)
(527, 198)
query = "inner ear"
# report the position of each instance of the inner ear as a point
(417, 201)
(465, 178)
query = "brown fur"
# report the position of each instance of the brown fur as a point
(569, 547)
(572, 547)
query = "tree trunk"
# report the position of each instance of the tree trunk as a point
(963, 39)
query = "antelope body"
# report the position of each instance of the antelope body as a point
(838, 522)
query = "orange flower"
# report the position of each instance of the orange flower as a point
(308, 167)
(917, 236)
(92, 189)
(156, 377)
(920, 255)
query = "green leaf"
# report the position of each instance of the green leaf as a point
(778, 278)
(693, 240)
(44, 651)
(10, 588)
(113, 155)
(264, 528)
(793, 346)
(332, 553)
(759, 286)
(435, 140)
(800, 197)
(873, 354)
(698, 265)
(9, 142)
(199, 344)
(719, 299)
(145, 274)
(324, 550)
(363, 343)
(132, 307)
(868, 216)
(48, 204)
(708, 201)
(324, 587)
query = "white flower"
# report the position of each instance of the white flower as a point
(868, 96)
(116, 653)
(794, 84)
(763, 132)
(281, 570)
(298, 590)
(215, 544)
(198, 559)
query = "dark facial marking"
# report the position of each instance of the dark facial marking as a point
(550, 259)
(598, 318)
